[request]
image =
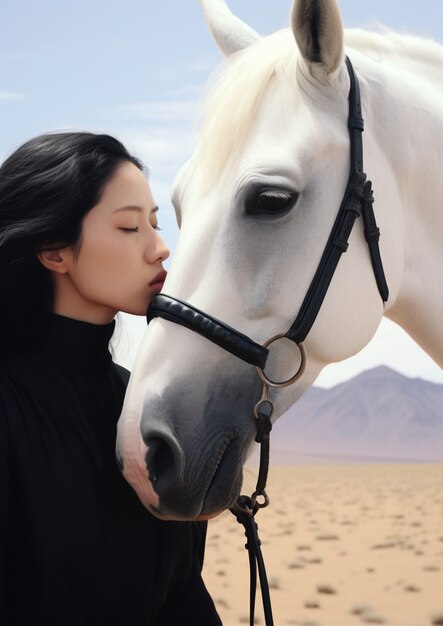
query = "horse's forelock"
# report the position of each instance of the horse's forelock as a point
(234, 97)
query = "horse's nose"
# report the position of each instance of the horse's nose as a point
(164, 460)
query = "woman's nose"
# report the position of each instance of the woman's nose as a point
(163, 249)
(156, 249)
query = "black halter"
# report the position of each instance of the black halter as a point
(357, 201)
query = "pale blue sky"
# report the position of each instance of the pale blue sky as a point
(137, 69)
(76, 63)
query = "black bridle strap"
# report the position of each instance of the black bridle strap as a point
(372, 236)
(228, 338)
(256, 561)
(245, 509)
(357, 200)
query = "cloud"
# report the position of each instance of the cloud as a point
(161, 111)
(163, 149)
(11, 96)
(186, 90)
(19, 56)
(204, 64)
(163, 133)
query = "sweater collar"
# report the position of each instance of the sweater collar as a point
(81, 343)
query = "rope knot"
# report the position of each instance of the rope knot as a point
(357, 186)
(368, 192)
(264, 427)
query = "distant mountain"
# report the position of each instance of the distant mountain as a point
(378, 415)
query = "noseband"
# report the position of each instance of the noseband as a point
(357, 201)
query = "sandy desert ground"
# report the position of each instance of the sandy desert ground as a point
(343, 544)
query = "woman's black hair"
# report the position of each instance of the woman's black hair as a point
(47, 186)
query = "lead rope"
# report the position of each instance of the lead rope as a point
(246, 507)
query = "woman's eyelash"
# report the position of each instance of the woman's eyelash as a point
(135, 229)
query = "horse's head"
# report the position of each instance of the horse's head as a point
(255, 204)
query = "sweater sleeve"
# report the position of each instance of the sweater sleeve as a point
(4, 497)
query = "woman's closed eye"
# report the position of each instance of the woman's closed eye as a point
(129, 230)
(135, 229)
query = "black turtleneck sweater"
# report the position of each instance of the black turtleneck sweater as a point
(76, 546)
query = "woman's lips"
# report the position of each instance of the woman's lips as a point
(158, 280)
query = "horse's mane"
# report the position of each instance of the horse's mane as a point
(398, 47)
(236, 89)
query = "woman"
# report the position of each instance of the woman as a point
(78, 243)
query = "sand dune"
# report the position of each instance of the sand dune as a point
(343, 545)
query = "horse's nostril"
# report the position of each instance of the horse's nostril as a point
(159, 458)
(164, 461)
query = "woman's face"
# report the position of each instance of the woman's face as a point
(117, 263)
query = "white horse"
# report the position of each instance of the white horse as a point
(255, 204)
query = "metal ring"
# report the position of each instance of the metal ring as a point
(259, 494)
(298, 373)
(262, 401)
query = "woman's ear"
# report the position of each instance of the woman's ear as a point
(54, 260)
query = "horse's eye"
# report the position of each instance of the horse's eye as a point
(271, 202)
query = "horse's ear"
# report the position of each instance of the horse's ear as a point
(229, 32)
(318, 30)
